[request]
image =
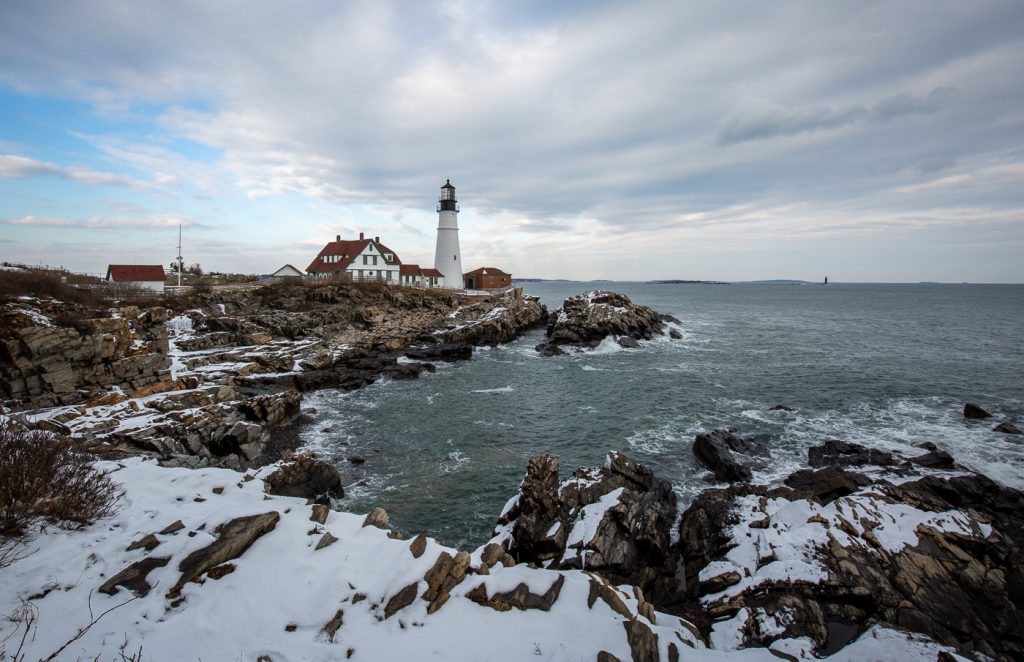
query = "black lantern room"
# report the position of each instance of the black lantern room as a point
(447, 197)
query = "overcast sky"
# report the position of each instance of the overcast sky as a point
(866, 141)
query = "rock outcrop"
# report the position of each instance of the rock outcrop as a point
(837, 551)
(305, 476)
(716, 450)
(68, 359)
(587, 319)
(613, 521)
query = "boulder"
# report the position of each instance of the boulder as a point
(846, 454)
(825, 484)
(1007, 428)
(628, 343)
(305, 476)
(233, 538)
(378, 517)
(133, 577)
(715, 450)
(975, 413)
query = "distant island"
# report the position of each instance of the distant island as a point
(687, 282)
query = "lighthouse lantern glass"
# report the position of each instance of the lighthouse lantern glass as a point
(447, 194)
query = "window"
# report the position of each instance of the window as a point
(374, 259)
(366, 260)
(455, 257)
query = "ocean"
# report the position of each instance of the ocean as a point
(888, 366)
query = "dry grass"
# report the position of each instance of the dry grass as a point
(48, 479)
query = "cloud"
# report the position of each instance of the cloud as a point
(153, 222)
(770, 122)
(570, 126)
(21, 167)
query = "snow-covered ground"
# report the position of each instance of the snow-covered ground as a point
(284, 591)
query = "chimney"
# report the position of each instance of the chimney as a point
(337, 237)
(360, 236)
(376, 239)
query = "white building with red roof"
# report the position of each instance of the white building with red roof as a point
(146, 276)
(362, 259)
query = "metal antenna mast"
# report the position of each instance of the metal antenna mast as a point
(181, 260)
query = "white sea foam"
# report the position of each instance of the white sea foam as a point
(503, 389)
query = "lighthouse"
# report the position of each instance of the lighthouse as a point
(447, 257)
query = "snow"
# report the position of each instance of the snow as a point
(282, 581)
(786, 550)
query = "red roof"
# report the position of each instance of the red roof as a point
(410, 270)
(122, 273)
(487, 271)
(433, 272)
(348, 250)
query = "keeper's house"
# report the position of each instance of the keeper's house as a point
(487, 278)
(145, 276)
(362, 259)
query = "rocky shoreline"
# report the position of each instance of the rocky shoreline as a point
(863, 554)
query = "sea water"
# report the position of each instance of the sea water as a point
(888, 366)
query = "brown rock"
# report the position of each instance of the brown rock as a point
(319, 514)
(643, 643)
(377, 517)
(401, 600)
(332, 626)
(133, 577)
(148, 542)
(234, 538)
(325, 541)
(418, 546)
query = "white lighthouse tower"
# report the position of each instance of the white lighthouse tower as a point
(447, 256)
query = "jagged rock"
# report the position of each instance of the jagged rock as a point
(148, 542)
(446, 573)
(133, 577)
(400, 600)
(233, 539)
(626, 509)
(377, 517)
(780, 408)
(825, 484)
(975, 413)
(605, 656)
(520, 597)
(589, 318)
(273, 410)
(955, 582)
(643, 643)
(549, 349)
(325, 541)
(319, 513)
(332, 626)
(418, 546)
(842, 453)
(1007, 428)
(305, 476)
(628, 343)
(172, 528)
(675, 334)
(936, 459)
(714, 449)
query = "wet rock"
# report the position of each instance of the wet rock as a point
(589, 318)
(133, 577)
(233, 539)
(549, 349)
(714, 449)
(780, 408)
(935, 459)
(846, 454)
(628, 343)
(1007, 428)
(356, 460)
(305, 476)
(826, 484)
(975, 413)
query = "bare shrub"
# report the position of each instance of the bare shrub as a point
(16, 283)
(50, 478)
